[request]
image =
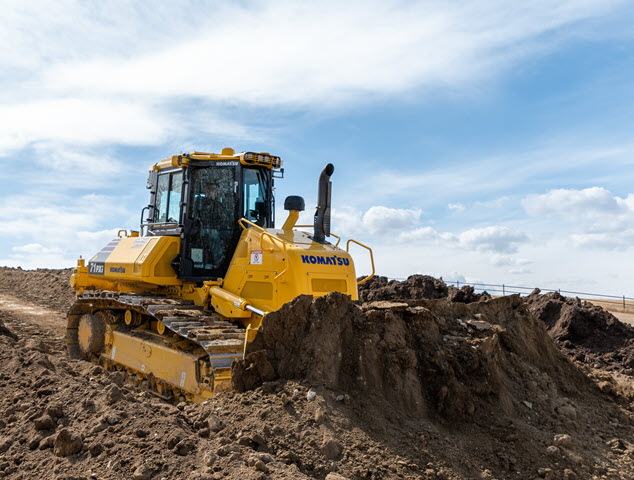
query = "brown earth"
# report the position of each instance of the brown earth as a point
(330, 389)
(586, 331)
(416, 287)
(40, 287)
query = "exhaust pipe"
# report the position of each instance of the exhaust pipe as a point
(322, 214)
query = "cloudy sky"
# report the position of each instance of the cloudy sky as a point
(482, 141)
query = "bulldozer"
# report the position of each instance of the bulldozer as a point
(173, 304)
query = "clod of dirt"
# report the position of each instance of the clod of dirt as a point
(417, 287)
(6, 332)
(586, 331)
(67, 443)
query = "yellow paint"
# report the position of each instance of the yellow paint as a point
(262, 159)
(83, 335)
(175, 367)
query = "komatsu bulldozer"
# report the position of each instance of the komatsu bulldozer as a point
(173, 304)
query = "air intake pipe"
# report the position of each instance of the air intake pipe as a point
(322, 214)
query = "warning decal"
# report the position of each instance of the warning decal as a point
(256, 257)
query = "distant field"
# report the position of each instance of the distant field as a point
(625, 314)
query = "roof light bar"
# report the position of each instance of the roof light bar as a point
(262, 159)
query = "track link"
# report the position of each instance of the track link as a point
(156, 337)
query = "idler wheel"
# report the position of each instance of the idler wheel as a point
(91, 333)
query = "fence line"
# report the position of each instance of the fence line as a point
(504, 290)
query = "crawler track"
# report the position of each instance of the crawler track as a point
(159, 342)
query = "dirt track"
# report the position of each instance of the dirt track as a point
(395, 388)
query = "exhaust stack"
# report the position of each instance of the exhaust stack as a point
(322, 214)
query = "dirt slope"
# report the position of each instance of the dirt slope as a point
(586, 331)
(429, 389)
(43, 286)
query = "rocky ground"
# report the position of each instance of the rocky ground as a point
(417, 380)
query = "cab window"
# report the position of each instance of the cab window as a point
(212, 236)
(168, 197)
(255, 195)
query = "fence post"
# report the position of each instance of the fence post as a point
(503, 291)
(457, 283)
(623, 302)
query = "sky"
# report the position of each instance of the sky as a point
(481, 141)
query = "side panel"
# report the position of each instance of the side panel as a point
(269, 272)
(141, 259)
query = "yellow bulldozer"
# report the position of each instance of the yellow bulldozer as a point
(174, 304)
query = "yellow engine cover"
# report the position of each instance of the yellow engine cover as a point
(272, 267)
(137, 259)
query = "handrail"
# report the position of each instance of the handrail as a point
(338, 239)
(371, 258)
(257, 227)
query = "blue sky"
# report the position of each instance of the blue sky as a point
(482, 141)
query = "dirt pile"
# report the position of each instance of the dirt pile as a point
(486, 368)
(587, 332)
(42, 286)
(416, 287)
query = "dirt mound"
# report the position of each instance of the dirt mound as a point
(586, 331)
(487, 368)
(43, 286)
(416, 287)
(439, 358)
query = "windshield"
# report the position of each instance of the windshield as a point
(213, 221)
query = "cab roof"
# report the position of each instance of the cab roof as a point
(263, 159)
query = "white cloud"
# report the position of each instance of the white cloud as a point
(519, 271)
(591, 203)
(78, 121)
(34, 256)
(35, 248)
(456, 207)
(51, 220)
(385, 220)
(248, 55)
(421, 235)
(599, 218)
(496, 239)
(502, 260)
(129, 74)
(492, 239)
(612, 241)
(377, 220)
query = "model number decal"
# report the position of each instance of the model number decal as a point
(96, 268)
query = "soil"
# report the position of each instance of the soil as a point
(585, 331)
(416, 287)
(405, 388)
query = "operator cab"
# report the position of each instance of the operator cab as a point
(202, 200)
